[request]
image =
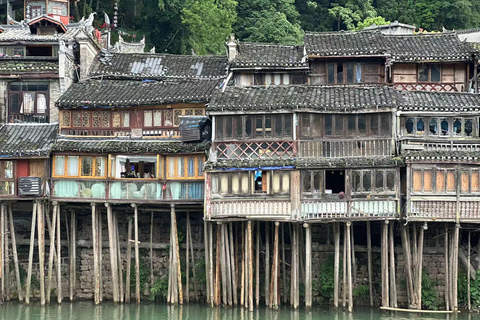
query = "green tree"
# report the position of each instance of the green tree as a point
(314, 15)
(351, 12)
(378, 21)
(209, 23)
(268, 21)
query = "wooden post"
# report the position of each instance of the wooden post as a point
(207, 260)
(232, 259)
(2, 250)
(420, 267)
(96, 267)
(52, 232)
(228, 262)
(267, 262)
(284, 268)
(59, 259)
(468, 275)
(257, 266)
(6, 273)
(129, 261)
(336, 263)
(369, 262)
(275, 297)
(217, 268)
(296, 296)
(308, 265)
(100, 252)
(384, 262)
(137, 252)
(348, 243)
(152, 279)
(354, 262)
(15, 255)
(447, 271)
(41, 250)
(242, 278)
(119, 260)
(30, 254)
(250, 266)
(187, 252)
(454, 285)
(223, 265)
(112, 250)
(73, 255)
(408, 266)
(393, 285)
(344, 260)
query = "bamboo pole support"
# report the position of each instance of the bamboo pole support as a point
(384, 262)
(30, 254)
(348, 243)
(408, 266)
(15, 254)
(59, 259)
(112, 250)
(447, 271)
(233, 268)
(250, 266)
(73, 255)
(119, 260)
(455, 269)
(41, 250)
(137, 252)
(129, 261)
(393, 284)
(308, 265)
(336, 263)
(267, 263)
(420, 266)
(96, 267)
(52, 232)
(370, 263)
(468, 276)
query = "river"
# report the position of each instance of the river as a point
(86, 310)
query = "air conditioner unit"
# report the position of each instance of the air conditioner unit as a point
(30, 186)
(195, 128)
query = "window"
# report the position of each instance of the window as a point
(377, 181)
(346, 72)
(185, 167)
(261, 78)
(312, 184)
(79, 166)
(434, 180)
(28, 98)
(131, 167)
(251, 183)
(259, 126)
(443, 127)
(7, 179)
(429, 72)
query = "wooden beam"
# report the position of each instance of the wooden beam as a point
(15, 254)
(96, 274)
(370, 263)
(73, 255)
(393, 284)
(336, 263)
(41, 250)
(52, 231)
(137, 251)
(308, 265)
(420, 267)
(112, 249)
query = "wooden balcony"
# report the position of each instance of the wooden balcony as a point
(127, 190)
(446, 87)
(256, 150)
(318, 209)
(443, 146)
(28, 118)
(445, 209)
(96, 132)
(345, 148)
(252, 209)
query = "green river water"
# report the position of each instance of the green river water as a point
(86, 310)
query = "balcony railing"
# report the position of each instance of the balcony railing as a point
(449, 87)
(27, 118)
(256, 150)
(252, 208)
(350, 209)
(438, 209)
(129, 189)
(96, 132)
(345, 148)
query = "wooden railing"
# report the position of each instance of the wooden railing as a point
(27, 118)
(256, 150)
(349, 209)
(96, 132)
(251, 209)
(450, 87)
(166, 132)
(344, 148)
(442, 146)
(133, 190)
(439, 209)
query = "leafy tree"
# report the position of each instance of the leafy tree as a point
(268, 21)
(314, 15)
(378, 21)
(209, 23)
(351, 12)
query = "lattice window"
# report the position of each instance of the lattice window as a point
(105, 119)
(67, 118)
(176, 117)
(198, 112)
(86, 119)
(116, 119)
(125, 119)
(77, 119)
(96, 119)
(189, 112)
(147, 118)
(157, 118)
(168, 118)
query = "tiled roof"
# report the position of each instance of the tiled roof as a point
(452, 156)
(127, 145)
(404, 48)
(428, 47)
(303, 96)
(269, 56)
(23, 33)
(9, 66)
(345, 43)
(19, 140)
(125, 93)
(158, 66)
(439, 101)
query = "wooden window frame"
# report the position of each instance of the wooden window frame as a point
(80, 158)
(373, 182)
(429, 70)
(221, 127)
(426, 120)
(344, 64)
(3, 179)
(434, 171)
(21, 93)
(310, 175)
(198, 159)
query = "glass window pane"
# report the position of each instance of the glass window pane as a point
(100, 167)
(362, 124)
(339, 72)
(277, 78)
(126, 119)
(374, 124)
(288, 125)
(409, 125)
(420, 126)
(306, 181)
(440, 181)
(331, 72)
(278, 126)
(235, 184)
(59, 165)
(41, 103)
(268, 126)
(317, 128)
(350, 72)
(358, 73)
(28, 104)
(367, 181)
(180, 167)
(228, 127)
(286, 78)
(259, 126)
(352, 121)
(285, 182)
(248, 126)
(457, 127)
(15, 103)
(147, 118)
(200, 167)
(219, 128)
(306, 125)
(338, 125)
(444, 126)
(157, 118)
(391, 180)
(379, 181)
(423, 73)
(191, 166)
(468, 127)
(356, 181)
(238, 127)
(433, 126)
(276, 182)
(435, 72)
(8, 169)
(171, 167)
(328, 124)
(72, 166)
(385, 123)
(87, 166)
(317, 182)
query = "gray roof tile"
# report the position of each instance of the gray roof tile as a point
(269, 56)
(19, 140)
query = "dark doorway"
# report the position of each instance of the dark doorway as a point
(335, 181)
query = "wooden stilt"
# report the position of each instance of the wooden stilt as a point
(468, 276)
(119, 260)
(284, 268)
(187, 259)
(171, 269)
(137, 252)
(336, 263)
(207, 260)
(73, 255)
(217, 268)
(296, 296)
(349, 267)
(234, 267)
(393, 285)
(59, 259)
(250, 266)
(454, 282)
(152, 279)
(6, 255)
(15, 254)
(210, 251)
(2, 251)
(100, 253)
(242, 278)
(344, 261)
(223, 266)
(257, 267)
(267, 263)
(96, 267)
(129, 261)
(112, 249)
(52, 232)
(228, 263)
(308, 266)
(408, 267)
(41, 250)
(369, 263)
(30, 254)
(275, 297)
(451, 262)
(419, 272)
(447, 271)
(384, 262)
(354, 261)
